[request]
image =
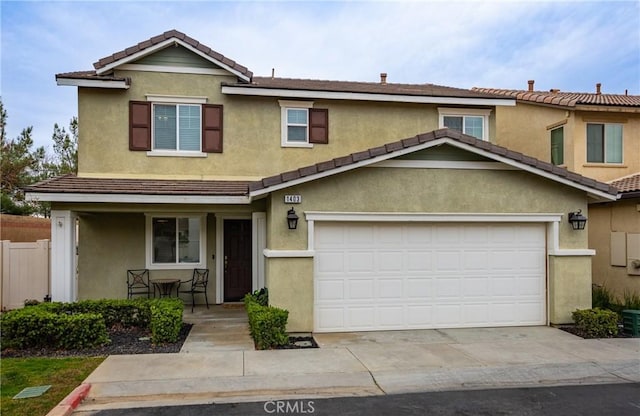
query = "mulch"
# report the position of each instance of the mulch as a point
(123, 341)
(572, 329)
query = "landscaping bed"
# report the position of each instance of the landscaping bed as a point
(124, 340)
(573, 329)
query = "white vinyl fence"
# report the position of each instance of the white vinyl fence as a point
(25, 269)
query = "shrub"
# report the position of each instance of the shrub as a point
(631, 300)
(596, 323)
(601, 297)
(166, 320)
(267, 324)
(83, 324)
(34, 327)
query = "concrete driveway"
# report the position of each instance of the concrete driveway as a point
(213, 367)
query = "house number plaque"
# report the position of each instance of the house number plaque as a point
(292, 199)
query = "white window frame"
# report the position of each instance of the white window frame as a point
(293, 105)
(174, 266)
(604, 144)
(174, 100)
(466, 112)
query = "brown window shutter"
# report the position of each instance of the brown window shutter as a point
(318, 125)
(139, 125)
(212, 128)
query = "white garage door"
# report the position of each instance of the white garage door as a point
(384, 276)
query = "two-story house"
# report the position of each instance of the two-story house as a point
(360, 205)
(597, 135)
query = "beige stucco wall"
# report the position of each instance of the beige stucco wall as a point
(524, 128)
(290, 283)
(622, 216)
(430, 191)
(569, 286)
(111, 243)
(252, 130)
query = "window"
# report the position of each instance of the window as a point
(303, 125)
(176, 127)
(604, 143)
(175, 242)
(557, 146)
(473, 122)
(184, 127)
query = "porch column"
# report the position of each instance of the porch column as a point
(63, 256)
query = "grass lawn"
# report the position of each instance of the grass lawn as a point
(63, 374)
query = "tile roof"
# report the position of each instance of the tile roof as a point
(565, 99)
(424, 138)
(73, 184)
(629, 183)
(362, 87)
(169, 35)
(90, 75)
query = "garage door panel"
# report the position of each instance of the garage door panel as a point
(372, 276)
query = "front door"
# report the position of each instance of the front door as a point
(237, 259)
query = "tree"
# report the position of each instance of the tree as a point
(20, 165)
(65, 148)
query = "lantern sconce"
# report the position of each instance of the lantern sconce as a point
(577, 220)
(292, 219)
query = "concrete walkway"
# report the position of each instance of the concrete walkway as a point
(218, 364)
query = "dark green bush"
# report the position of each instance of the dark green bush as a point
(34, 327)
(267, 324)
(83, 324)
(166, 320)
(596, 323)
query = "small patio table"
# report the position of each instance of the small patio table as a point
(164, 286)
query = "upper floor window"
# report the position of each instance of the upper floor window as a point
(175, 241)
(473, 122)
(604, 143)
(557, 146)
(175, 126)
(303, 125)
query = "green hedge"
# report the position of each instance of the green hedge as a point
(34, 327)
(267, 324)
(83, 324)
(596, 323)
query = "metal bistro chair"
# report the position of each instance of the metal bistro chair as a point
(198, 285)
(138, 283)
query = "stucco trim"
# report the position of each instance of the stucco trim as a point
(442, 164)
(174, 69)
(572, 252)
(287, 253)
(358, 96)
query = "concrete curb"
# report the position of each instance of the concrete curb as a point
(69, 403)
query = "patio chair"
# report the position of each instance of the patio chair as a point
(138, 283)
(198, 284)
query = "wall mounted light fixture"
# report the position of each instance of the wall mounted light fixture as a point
(292, 219)
(577, 220)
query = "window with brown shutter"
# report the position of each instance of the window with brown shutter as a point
(212, 128)
(318, 125)
(139, 125)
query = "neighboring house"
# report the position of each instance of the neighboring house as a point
(615, 235)
(596, 135)
(188, 160)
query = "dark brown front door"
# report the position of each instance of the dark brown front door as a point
(237, 259)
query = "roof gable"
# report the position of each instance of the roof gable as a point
(598, 190)
(167, 39)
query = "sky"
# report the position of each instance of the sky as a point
(569, 45)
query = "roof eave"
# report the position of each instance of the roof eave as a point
(69, 197)
(92, 83)
(361, 96)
